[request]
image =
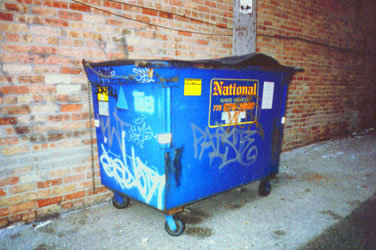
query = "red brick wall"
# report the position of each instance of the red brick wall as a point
(335, 43)
(44, 136)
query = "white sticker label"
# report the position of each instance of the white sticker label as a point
(164, 138)
(96, 122)
(103, 108)
(267, 95)
(143, 103)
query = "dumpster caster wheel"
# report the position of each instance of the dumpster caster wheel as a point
(264, 188)
(180, 227)
(120, 204)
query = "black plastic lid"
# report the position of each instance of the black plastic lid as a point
(233, 62)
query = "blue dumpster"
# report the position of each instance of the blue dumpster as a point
(170, 133)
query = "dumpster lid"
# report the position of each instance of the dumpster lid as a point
(233, 62)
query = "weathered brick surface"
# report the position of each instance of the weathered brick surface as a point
(335, 43)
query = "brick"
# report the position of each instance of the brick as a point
(63, 98)
(166, 15)
(35, 2)
(43, 50)
(46, 69)
(79, 7)
(13, 27)
(6, 79)
(4, 222)
(176, 2)
(67, 205)
(202, 42)
(58, 60)
(185, 33)
(50, 183)
(9, 141)
(211, 4)
(42, 30)
(31, 79)
(30, 178)
(28, 19)
(44, 109)
(56, 4)
(8, 120)
(11, 99)
(2, 193)
(74, 196)
(70, 15)
(21, 130)
(4, 212)
(144, 19)
(15, 150)
(17, 69)
(55, 22)
(59, 118)
(58, 79)
(28, 216)
(42, 89)
(150, 12)
(112, 4)
(70, 107)
(49, 201)
(74, 178)
(23, 207)
(14, 90)
(70, 70)
(10, 200)
(11, 7)
(55, 136)
(115, 22)
(64, 189)
(40, 194)
(59, 173)
(83, 116)
(22, 188)
(16, 110)
(42, 11)
(6, 16)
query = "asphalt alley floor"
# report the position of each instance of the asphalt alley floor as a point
(323, 198)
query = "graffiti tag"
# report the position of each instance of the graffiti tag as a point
(143, 75)
(139, 132)
(130, 172)
(225, 146)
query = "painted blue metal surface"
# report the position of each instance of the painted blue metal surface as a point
(172, 133)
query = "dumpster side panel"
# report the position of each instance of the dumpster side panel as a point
(228, 132)
(129, 118)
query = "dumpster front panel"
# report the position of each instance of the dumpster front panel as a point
(131, 121)
(228, 133)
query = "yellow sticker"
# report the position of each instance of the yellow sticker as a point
(103, 94)
(192, 87)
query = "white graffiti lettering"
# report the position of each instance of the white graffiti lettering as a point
(130, 172)
(139, 132)
(234, 145)
(112, 131)
(143, 75)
